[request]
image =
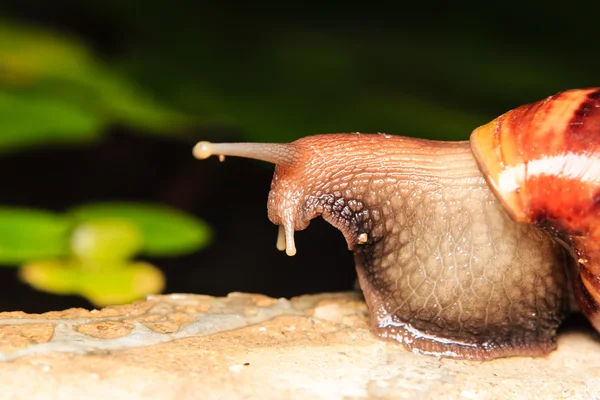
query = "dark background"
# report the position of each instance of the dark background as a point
(277, 73)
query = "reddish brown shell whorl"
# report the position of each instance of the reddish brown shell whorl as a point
(542, 161)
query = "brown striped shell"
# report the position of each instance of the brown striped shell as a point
(542, 160)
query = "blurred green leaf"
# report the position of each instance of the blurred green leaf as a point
(106, 240)
(30, 54)
(28, 121)
(27, 235)
(53, 90)
(166, 231)
(115, 283)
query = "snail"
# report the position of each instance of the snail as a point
(472, 249)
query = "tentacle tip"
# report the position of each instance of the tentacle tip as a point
(203, 150)
(288, 235)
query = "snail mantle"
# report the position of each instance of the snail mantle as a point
(253, 346)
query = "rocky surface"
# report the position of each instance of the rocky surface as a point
(255, 347)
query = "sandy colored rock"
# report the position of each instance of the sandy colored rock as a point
(106, 329)
(254, 347)
(14, 337)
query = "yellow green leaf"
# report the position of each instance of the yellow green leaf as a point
(106, 240)
(115, 283)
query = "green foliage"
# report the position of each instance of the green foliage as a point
(276, 83)
(31, 234)
(99, 231)
(53, 90)
(29, 121)
(166, 232)
(106, 240)
(89, 250)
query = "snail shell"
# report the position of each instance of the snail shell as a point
(463, 249)
(542, 161)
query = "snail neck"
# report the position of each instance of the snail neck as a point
(349, 178)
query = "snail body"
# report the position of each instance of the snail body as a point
(468, 249)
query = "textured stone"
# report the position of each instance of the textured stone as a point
(254, 347)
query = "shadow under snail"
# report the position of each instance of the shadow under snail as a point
(472, 249)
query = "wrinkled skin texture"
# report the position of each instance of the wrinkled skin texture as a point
(443, 268)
